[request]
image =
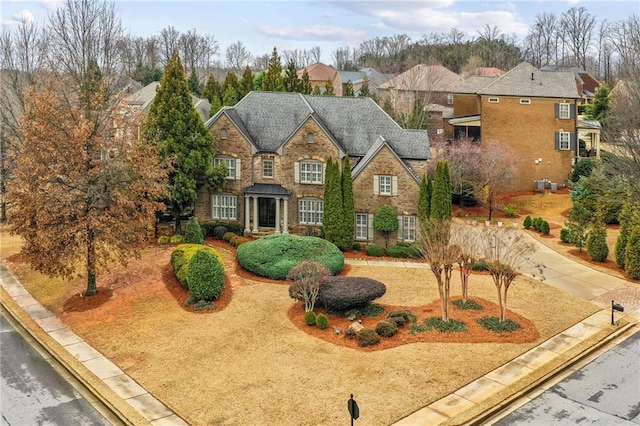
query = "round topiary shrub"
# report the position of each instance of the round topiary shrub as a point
(219, 231)
(228, 235)
(310, 318)
(163, 240)
(205, 276)
(367, 337)
(322, 321)
(181, 257)
(344, 293)
(527, 222)
(273, 256)
(386, 328)
(597, 244)
(193, 234)
(375, 250)
(398, 251)
(565, 236)
(544, 227)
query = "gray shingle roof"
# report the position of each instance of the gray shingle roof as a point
(270, 118)
(474, 84)
(426, 78)
(354, 76)
(518, 82)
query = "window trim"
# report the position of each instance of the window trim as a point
(568, 141)
(525, 101)
(493, 100)
(450, 99)
(231, 207)
(233, 173)
(264, 162)
(361, 226)
(305, 215)
(389, 184)
(561, 106)
(224, 133)
(407, 228)
(311, 172)
(311, 138)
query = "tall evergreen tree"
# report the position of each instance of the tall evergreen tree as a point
(176, 128)
(333, 214)
(305, 83)
(246, 83)
(212, 90)
(442, 197)
(272, 81)
(231, 96)
(424, 198)
(194, 84)
(632, 253)
(348, 91)
(364, 89)
(230, 80)
(328, 88)
(316, 90)
(626, 219)
(348, 207)
(291, 81)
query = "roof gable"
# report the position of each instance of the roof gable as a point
(425, 78)
(371, 154)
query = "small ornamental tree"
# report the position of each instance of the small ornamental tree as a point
(385, 221)
(348, 207)
(467, 239)
(306, 277)
(632, 253)
(193, 234)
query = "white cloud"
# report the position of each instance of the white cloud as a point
(312, 33)
(18, 17)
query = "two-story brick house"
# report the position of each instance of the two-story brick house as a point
(531, 111)
(276, 146)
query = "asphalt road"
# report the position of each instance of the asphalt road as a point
(32, 392)
(604, 392)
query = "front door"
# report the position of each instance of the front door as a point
(267, 212)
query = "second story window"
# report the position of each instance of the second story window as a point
(233, 166)
(267, 168)
(564, 111)
(564, 141)
(309, 172)
(385, 185)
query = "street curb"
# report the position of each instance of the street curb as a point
(486, 415)
(105, 401)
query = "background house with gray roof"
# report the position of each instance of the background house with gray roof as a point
(533, 113)
(276, 146)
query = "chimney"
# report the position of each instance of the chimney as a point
(532, 77)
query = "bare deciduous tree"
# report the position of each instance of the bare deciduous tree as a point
(237, 55)
(307, 277)
(579, 25)
(467, 239)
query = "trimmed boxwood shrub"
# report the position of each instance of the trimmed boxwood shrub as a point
(367, 337)
(322, 321)
(310, 318)
(565, 236)
(343, 293)
(209, 228)
(403, 250)
(205, 276)
(219, 231)
(273, 256)
(386, 328)
(241, 240)
(632, 253)
(193, 233)
(375, 250)
(527, 222)
(176, 239)
(228, 236)
(182, 255)
(163, 240)
(544, 227)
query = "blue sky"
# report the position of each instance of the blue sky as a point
(261, 25)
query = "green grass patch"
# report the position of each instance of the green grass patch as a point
(469, 305)
(494, 324)
(436, 323)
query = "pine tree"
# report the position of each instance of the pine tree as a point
(632, 254)
(174, 125)
(193, 234)
(230, 80)
(246, 84)
(328, 88)
(212, 90)
(230, 96)
(316, 90)
(272, 81)
(626, 220)
(442, 196)
(348, 207)
(348, 91)
(364, 89)
(578, 223)
(597, 243)
(305, 83)
(194, 84)
(333, 214)
(291, 80)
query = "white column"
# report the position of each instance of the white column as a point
(255, 214)
(277, 215)
(286, 217)
(597, 144)
(247, 212)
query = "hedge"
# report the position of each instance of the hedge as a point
(209, 228)
(182, 255)
(273, 256)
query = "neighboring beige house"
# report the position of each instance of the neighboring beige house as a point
(534, 113)
(319, 73)
(276, 146)
(143, 98)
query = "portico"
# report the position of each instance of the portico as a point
(266, 206)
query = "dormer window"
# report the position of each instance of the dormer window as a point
(223, 134)
(310, 137)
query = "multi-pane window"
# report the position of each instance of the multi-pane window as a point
(564, 140)
(311, 172)
(231, 166)
(384, 185)
(267, 168)
(564, 111)
(362, 226)
(408, 228)
(450, 99)
(223, 134)
(224, 207)
(310, 211)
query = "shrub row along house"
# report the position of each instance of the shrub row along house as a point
(276, 146)
(534, 112)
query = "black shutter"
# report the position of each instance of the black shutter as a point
(572, 141)
(572, 111)
(557, 110)
(557, 144)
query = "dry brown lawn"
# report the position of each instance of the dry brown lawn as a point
(250, 364)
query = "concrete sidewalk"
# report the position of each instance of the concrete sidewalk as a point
(124, 386)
